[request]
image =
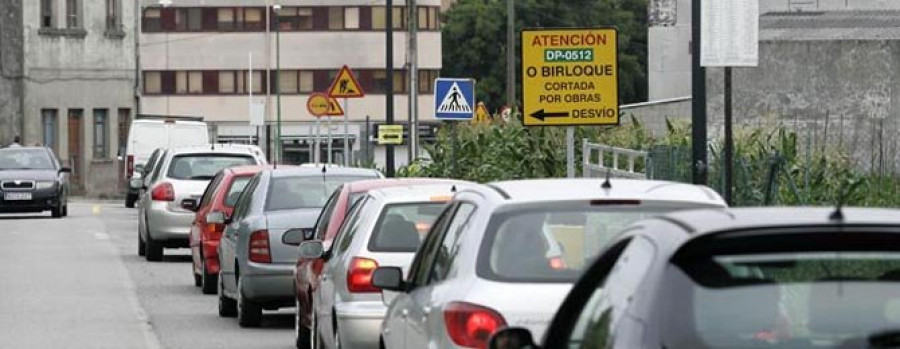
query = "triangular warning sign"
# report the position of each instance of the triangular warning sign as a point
(455, 102)
(345, 85)
(334, 108)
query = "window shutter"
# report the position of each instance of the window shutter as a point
(211, 82)
(210, 19)
(168, 82)
(168, 19)
(365, 18)
(320, 18)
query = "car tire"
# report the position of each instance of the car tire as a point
(154, 250)
(337, 338)
(208, 282)
(198, 281)
(130, 200)
(249, 313)
(227, 306)
(57, 212)
(302, 335)
(142, 247)
(65, 210)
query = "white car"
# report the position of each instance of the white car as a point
(180, 174)
(489, 262)
(384, 228)
(148, 134)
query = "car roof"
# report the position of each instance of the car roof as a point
(438, 192)
(369, 184)
(543, 190)
(216, 148)
(247, 170)
(702, 222)
(283, 171)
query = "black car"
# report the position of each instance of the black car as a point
(741, 278)
(32, 180)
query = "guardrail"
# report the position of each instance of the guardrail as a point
(603, 152)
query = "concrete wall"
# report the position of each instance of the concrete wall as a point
(836, 93)
(11, 70)
(93, 69)
(668, 55)
(653, 115)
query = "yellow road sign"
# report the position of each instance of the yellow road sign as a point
(390, 134)
(570, 77)
(345, 85)
(320, 105)
(481, 114)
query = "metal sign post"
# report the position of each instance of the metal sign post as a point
(570, 152)
(328, 124)
(346, 134)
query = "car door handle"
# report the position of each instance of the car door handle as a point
(426, 311)
(404, 313)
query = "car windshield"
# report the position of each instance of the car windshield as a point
(205, 166)
(25, 159)
(544, 244)
(813, 299)
(237, 187)
(296, 192)
(402, 227)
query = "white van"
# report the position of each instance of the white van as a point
(149, 133)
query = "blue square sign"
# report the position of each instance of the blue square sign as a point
(454, 99)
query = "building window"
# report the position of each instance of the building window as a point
(253, 19)
(227, 82)
(188, 82)
(287, 81)
(225, 19)
(101, 134)
(47, 11)
(51, 130)
(379, 82)
(426, 80)
(294, 18)
(351, 18)
(152, 82)
(152, 20)
(307, 81)
(335, 18)
(399, 17)
(73, 20)
(400, 82)
(378, 18)
(113, 22)
(188, 19)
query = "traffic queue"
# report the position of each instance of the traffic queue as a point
(373, 262)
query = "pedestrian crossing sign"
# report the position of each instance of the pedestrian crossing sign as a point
(454, 99)
(345, 85)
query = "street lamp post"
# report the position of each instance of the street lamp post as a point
(277, 8)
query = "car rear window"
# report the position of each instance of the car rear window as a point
(25, 159)
(237, 187)
(402, 227)
(825, 298)
(291, 193)
(554, 244)
(205, 166)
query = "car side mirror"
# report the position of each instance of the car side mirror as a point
(389, 279)
(190, 205)
(216, 217)
(512, 338)
(65, 170)
(312, 249)
(139, 168)
(297, 236)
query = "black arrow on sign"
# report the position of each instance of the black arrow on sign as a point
(541, 115)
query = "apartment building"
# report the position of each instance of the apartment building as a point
(67, 81)
(202, 58)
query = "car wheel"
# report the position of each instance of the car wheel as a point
(337, 338)
(154, 250)
(208, 281)
(198, 281)
(56, 212)
(142, 247)
(227, 306)
(249, 313)
(301, 333)
(65, 210)
(130, 200)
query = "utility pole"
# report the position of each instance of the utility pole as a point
(511, 56)
(413, 59)
(698, 102)
(278, 143)
(389, 85)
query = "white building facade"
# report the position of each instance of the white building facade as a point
(202, 58)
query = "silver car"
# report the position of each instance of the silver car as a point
(256, 266)
(489, 261)
(384, 228)
(178, 175)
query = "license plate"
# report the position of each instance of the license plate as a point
(17, 196)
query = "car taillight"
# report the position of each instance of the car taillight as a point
(163, 192)
(129, 164)
(213, 231)
(259, 247)
(359, 277)
(470, 325)
(557, 263)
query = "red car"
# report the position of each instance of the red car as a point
(331, 218)
(214, 207)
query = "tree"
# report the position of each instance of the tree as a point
(474, 40)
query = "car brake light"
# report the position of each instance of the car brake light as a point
(470, 325)
(359, 277)
(557, 263)
(213, 231)
(163, 192)
(259, 247)
(129, 164)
